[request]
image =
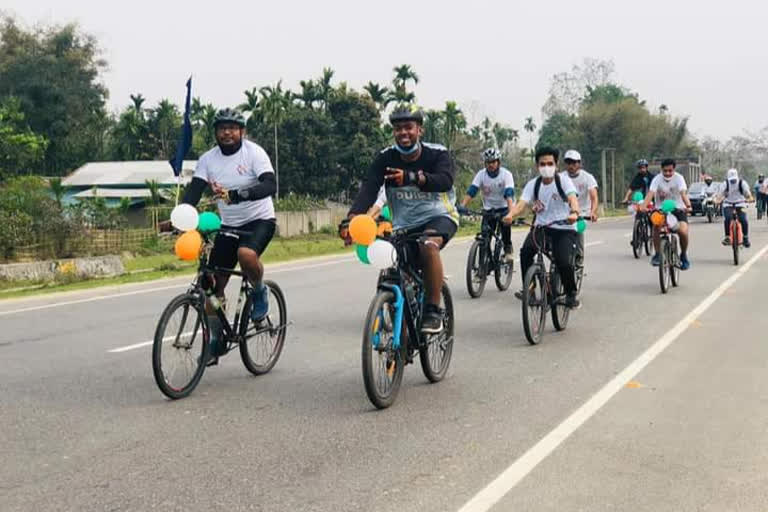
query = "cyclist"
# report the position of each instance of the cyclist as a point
(763, 191)
(419, 188)
(641, 181)
(498, 187)
(554, 201)
(586, 187)
(242, 179)
(759, 185)
(735, 194)
(671, 185)
(711, 189)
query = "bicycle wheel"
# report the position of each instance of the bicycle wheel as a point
(476, 270)
(674, 262)
(637, 239)
(262, 342)
(180, 346)
(502, 271)
(435, 355)
(735, 241)
(560, 312)
(534, 303)
(663, 264)
(382, 365)
(647, 238)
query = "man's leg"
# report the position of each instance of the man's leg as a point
(506, 235)
(527, 252)
(564, 245)
(432, 268)
(249, 255)
(682, 232)
(745, 227)
(727, 221)
(223, 255)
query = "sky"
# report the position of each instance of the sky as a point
(707, 61)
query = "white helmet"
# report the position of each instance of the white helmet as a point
(572, 154)
(491, 154)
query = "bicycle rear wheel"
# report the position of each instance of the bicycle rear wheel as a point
(502, 271)
(476, 270)
(180, 348)
(637, 239)
(435, 354)
(674, 265)
(382, 365)
(560, 312)
(663, 265)
(262, 342)
(534, 303)
(647, 238)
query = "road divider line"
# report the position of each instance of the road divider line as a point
(520, 468)
(145, 343)
(592, 244)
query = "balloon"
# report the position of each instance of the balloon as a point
(668, 205)
(657, 218)
(581, 226)
(188, 246)
(362, 229)
(184, 217)
(637, 196)
(384, 228)
(672, 222)
(362, 254)
(208, 222)
(386, 212)
(382, 254)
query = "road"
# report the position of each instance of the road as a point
(587, 420)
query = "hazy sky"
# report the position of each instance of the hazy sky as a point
(706, 60)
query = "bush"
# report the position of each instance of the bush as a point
(297, 203)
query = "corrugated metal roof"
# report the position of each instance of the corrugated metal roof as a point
(128, 173)
(114, 193)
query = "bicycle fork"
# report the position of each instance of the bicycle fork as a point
(397, 323)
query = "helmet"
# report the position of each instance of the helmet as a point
(491, 154)
(229, 115)
(732, 174)
(642, 162)
(406, 112)
(572, 154)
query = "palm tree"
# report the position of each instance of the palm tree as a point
(138, 100)
(403, 74)
(530, 127)
(433, 126)
(379, 95)
(196, 111)
(207, 120)
(310, 93)
(275, 101)
(58, 190)
(251, 101)
(324, 84)
(165, 122)
(453, 122)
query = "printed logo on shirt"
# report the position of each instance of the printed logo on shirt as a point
(242, 169)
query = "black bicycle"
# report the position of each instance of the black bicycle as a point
(392, 334)
(641, 233)
(182, 344)
(669, 255)
(486, 255)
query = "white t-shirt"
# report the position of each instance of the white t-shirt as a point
(672, 189)
(763, 187)
(493, 187)
(712, 189)
(238, 171)
(550, 207)
(584, 182)
(735, 195)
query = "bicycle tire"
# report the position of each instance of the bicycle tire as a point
(475, 270)
(502, 271)
(647, 237)
(161, 340)
(534, 304)
(560, 313)
(735, 241)
(663, 270)
(270, 327)
(674, 259)
(637, 239)
(442, 343)
(373, 322)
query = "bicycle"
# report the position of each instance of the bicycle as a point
(183, 333)
(486, 255)
(641, 237)
(669, 254)
(392, 335)
(735, 231)
(543, 290)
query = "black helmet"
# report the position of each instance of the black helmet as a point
(642, 162)
(229, 115)
(406, 112)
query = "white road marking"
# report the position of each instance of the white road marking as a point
(520, 468)
(144, 344)
(590, 244)
(627, 235)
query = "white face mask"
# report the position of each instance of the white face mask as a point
(669, 179)
(547, 171)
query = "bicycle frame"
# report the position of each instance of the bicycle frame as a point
(735, 229)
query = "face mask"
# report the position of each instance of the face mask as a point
(669, 179)
(708, 183)
(492, 174)
(547, 171)
(407, 151)
(733, 181)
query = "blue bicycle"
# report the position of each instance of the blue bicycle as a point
(392, 334)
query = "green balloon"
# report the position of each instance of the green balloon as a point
(362, 253)
(581, 226)
(386, 213)
(208, 221)
(668, 205)
(637, 196)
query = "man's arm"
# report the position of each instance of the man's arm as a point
(686, 200)
(594, 202)
(370, 189)
(266, 187)
(194, 191)
(440, 179)
(515, 210)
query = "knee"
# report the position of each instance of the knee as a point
(248, 258)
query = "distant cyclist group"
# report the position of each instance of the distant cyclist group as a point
(415, 179)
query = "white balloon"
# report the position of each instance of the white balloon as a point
(184, 217)
(671, 222)
(382, 254)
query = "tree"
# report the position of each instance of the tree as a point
(567, 89)
(530, 127)
(380, 95)
(251, 101)
(324, 84)
(58, 189)
(453, 123)
(164, 123)
(403, 74)
(138, 100)
(310, 93)
(275, 102)
(21, 150)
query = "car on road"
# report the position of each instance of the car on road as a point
(696, 195)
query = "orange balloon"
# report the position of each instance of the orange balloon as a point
(188, 245)
(657, 218)
(384, 228)
(362, 229)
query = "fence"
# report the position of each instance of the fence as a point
(95, 242)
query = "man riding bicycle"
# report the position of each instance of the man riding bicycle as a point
(586, 187)
(735, 195)
(554, 201)
(641, 181)
(760, 186)
(671, 185)
(419, 188)
(241, 176)
(498, 187)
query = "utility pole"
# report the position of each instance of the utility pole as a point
(604, 184)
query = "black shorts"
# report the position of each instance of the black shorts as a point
(681, 215)
(224, 253)
(442, 225)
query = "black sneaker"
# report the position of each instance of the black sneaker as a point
(519, 294)
(746, 242)
(211, 361)
(432, 321)
(572, 302)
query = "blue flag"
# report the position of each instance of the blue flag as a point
(185, 141)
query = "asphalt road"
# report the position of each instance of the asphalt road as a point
(83, 427)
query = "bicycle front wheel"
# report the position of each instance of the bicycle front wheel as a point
(663, 265)
(180, 348)
(637, 239)
(674, 265)
(534, 304)
(382, 365)
(262, 342)
(435, 354)
(476, 270)
(503, 271)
